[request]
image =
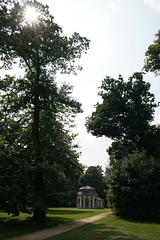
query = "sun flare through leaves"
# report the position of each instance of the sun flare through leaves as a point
(31, 14)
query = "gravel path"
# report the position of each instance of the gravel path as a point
(43, 234)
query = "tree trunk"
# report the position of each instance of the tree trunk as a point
(39, 208)
(39, 214)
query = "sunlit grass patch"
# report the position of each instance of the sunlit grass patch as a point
(113, 227)
(15, 226)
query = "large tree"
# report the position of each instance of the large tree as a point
(34, 101)
(126, 110)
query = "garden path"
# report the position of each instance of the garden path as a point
(44, 234)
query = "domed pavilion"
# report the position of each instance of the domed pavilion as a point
(87, 197)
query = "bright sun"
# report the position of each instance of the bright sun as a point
(30, 14)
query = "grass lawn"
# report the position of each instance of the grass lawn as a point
(15, 226)
(115, 228)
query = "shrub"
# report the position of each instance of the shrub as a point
(134, 187)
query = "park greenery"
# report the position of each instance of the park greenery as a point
(111, 227)
(38, 158)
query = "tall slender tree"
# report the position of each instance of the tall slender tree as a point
(40, 48)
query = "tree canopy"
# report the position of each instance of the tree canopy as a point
(40, 43)
(126, 110)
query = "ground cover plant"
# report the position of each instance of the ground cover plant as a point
(113, 227)
(15, 226)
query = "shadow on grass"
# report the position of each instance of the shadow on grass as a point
(15, 226)
(95, 232)
(11, 227)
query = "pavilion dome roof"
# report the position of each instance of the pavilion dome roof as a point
(87, 190)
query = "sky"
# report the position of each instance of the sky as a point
(120, 32)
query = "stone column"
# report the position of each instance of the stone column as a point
(89, 201)
(96, 200)
(80, 201)
(93, 202)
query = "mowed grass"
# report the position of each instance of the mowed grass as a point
(111, 228)
(16, 226)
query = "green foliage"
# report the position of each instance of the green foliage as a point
(14, 189)
(40, 43)
(126, 111)
(152, 62)
(59, 166)
(120, 149)
(134, 187)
